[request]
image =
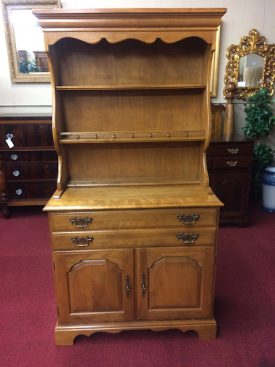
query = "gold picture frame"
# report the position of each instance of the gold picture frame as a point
(215, 66)
(26, 66)
(252, 44)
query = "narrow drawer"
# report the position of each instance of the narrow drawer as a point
(230, 149)
(182, 218)
(30, 170)
(133, 238)
(30, 156)
(232, 162)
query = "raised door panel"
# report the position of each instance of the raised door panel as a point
(94, 286)
(174, 283)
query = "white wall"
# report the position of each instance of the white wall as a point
(241, 17)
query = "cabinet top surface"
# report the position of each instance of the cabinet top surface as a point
(233, 139)
(133, 197)
(60, 20)
(88, 12)
(25, 116)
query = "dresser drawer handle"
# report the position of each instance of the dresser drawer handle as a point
(128, 286)
(188, 238)
(81, 222)
(188, 219)
(143, 285)
(82, 241)
(233, 150)
(232, 163)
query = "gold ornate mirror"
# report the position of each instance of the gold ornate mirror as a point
(25, 41)
(250, 67)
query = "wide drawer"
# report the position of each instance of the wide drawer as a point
(230, 149)
(30, 170)
(26, 135)
(29, 156)
(120, 219)
(231, 163)
(31, 190)
(134, 238)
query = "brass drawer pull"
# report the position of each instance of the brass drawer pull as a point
(143, 285)
(233, 150)
(81, 222)
(188, 219)
(232, 163)
(82, 241)
(128, 286)
(188, 238)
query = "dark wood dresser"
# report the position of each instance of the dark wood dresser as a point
(229, 165)
(28, 160)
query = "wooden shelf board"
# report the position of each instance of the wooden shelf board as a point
(99, 141)
(126, 87)
(130, 137)
(149, 181)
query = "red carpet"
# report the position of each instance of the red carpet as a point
(245, 306)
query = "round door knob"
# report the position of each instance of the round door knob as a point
(16, 173)
(9, 136)
(14, 157)
(19, 192)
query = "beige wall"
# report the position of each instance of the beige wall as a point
(241, 17)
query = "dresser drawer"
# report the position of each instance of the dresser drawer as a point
(182, 218)
(31, 190)
(230, 149)
(26, 135)
(31, 156)
(134, 238)
(232, 162)
(30, 170)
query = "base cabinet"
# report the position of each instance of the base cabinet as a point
(230, 168)
(127, 284)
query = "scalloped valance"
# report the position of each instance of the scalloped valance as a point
(115, 25)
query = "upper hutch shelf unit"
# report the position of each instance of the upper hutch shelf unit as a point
(131, 124)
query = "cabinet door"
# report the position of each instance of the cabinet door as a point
(174, 283)
(94, 286)
(232, 188)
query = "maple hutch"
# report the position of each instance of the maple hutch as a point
(133, 220)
